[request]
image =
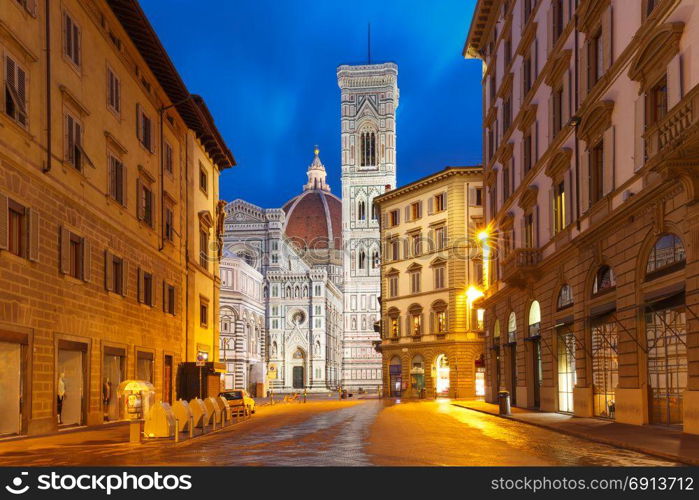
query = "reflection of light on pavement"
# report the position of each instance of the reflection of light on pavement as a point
(397, 401)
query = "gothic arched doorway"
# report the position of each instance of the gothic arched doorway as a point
(298, 369)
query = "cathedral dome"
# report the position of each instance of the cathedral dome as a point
(314, 218)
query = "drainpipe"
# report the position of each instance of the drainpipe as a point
(47, 14)
(576, 122)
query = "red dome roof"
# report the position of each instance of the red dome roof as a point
(314, 219)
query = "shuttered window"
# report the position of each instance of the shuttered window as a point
(115, 273)
(75, 255)
(71, 39)
(15, 91)
(168, 158)
(73, 142)
(117, 179)
(113, 91)
(144, 129)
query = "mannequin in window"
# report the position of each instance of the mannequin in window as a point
(61, 394)
(106, 395)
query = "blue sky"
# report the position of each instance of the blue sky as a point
(266, 69)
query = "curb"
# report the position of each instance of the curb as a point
(582, 435)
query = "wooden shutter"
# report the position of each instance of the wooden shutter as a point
(139, 127)
(165, 298)
(31, 7)
(124, 276)
(33, 235)
(87, 260)
(65, 251)
(430, 205)
(141, 291)
(69, 131)
(674, 81)
(584, 181)
(419, 209)
(568, 190)
(471, 196)
(584, 71)
(608, 164)
(140, 208)
(407, 213)
(639, 153)
(108, 271)
(607, 39)
(4, 222)
(124, 184)
(445, 200)
(153, 294)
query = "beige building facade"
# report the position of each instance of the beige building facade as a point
(432, 337)
(590, 141)
(108, 195)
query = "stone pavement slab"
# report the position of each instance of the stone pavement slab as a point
(653, 440)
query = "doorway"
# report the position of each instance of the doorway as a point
(537, 370)
(11, 385)
(566, 368)
(441, 365)
(512, 358)
(605, 366)
(113, 374)
(395, 377)
(417, 376)
(298, 377)
(666, 335)
(71, 383)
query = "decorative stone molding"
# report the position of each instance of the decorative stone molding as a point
(527, 118)
(528, 198)
(596, 121)
(559, 67)
(654, 54)
(559, 163)
(505, 86)
(505, 152)
(527, 39)
(590, 13)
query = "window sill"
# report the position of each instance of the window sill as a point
(7, 119)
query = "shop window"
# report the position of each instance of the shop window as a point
(667, 255)
(512, 328)
(534, 319)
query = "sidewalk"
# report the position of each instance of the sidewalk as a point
(652, 440)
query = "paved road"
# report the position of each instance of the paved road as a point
(356, 433)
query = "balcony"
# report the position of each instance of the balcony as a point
(673, 130)
(521, 266)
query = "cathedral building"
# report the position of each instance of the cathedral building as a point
(319, 255)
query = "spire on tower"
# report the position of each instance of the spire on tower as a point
(316, 174)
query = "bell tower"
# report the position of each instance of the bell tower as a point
(369, 98)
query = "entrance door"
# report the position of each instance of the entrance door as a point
(71, 380)
(605, 366)
(113, 368)
(443, 375)
(667, 363)
(298, 377)
(537, 371)
(566, 369)
(11, 387)
(512, 348)
(395, 371)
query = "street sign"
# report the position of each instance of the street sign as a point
(201, 359)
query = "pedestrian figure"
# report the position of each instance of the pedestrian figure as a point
(305, 394)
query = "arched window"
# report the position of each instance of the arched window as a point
(512, 328)
(362, 259)
(439, 317)
(666, 256)
(393, 323)
(565, 297)
(361, 210)
(604, 280)
(415, 320)
(374, 212)
(368, 146)
(534, 319)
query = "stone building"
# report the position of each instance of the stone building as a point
(98, 136)
(431, 274)
(589, 152)
(369, 101)
(242, 314)
(297, 252)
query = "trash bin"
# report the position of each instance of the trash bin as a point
(504, 400)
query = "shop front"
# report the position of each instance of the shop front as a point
(13, 353)
(417, 376)
(71, 384)
(395, 377)
(113, 374)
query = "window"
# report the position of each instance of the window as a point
(395, 328)
(534, 319)
(71, 39)
(204, 313)
(394, 216)
(559, 207)
(203, 247)
(493, 197)
(479, 197)
(368, 149)
(361, 210)
(597, 172)
(506, 181)
(144, 128)
(115, 273)
(507, 112)
(17, 229)
(557, 102)
(604, 280)
(529, 240)
(76, 252)
(73, 141)
(147, 285)
(74, 255)
(439, 281)
(374, 212)
(168, 158)
(492, 84)
(113, 91)
(415, 210)
(527, 74)
(393, 286)
(528, 7)
(394, 248)
(415, 320)
(169, 223)
(440, 202)
(146, 202)
(565, 297)
(596, 62)
(650, 7)
(415, 282)
(508, 52)
(512, 328)
(440, 236)
(441, 322)
(361, 260)
(416, 244)
(558, 21)
(15, 92)
(375, 260)
(170, 299)
(116, 178)
(656, 102)
(667, 255)
(527, 152)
